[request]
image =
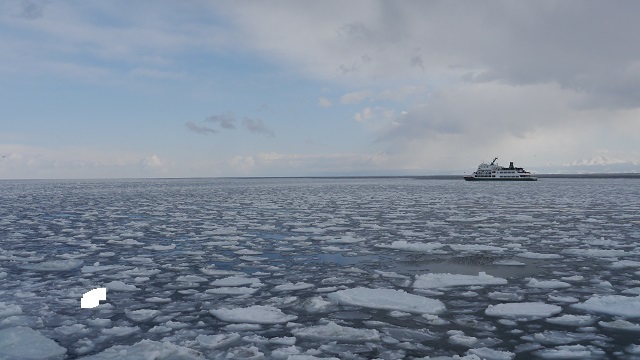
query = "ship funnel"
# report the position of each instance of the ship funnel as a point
(511, 165)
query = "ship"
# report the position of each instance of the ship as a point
(495, 172)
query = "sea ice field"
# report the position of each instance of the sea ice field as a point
(347, 268)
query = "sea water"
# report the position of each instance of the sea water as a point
(357, 268)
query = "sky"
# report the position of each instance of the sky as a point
(136, 89)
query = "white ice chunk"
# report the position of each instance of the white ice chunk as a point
(161, 247)
(491, 354)
(141, 272)
(25, 343)
(247, 252)
(547, 284)
(285, 352)
(292, 286)
(632, 291)
(146, 349)
(475, 247)
(595, 252)
(524, 310)
(120, 286)
(158, 300)
(534, 255)
(570, 352)
(625, 264)
(389, 274)
(160, 329)
(317, 305)
(443, 280)
(566, 299)
(53, 265)
(417, 246)
(335, 332)
(620, 325)
(248, 352)
(613, 305)
(141, 315)
(68, 330)
(508, 263)
(256, 314)
(388, 299)
(235, 281)
(9, 309)
(309, 357)
(218, 272)
(572, 320)
(459, 338)
(633, 349)
(121, 330)
(217, 341)
(504, 296)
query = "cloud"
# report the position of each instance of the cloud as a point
(296, 164)
(571, 43)
(33, 9)
(198, 129)
(257, 126)
(242, 164)
(27, 162)
(152, 162)
(324, 102)
(226, 120)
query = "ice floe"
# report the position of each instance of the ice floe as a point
(547, 284)
(334, 332)
(147, 349)
(388, 299)
(22, 342)
(54, 265)
(256, 314)
(523, 310)
(444, 280)
(625, 306)
(412, 246)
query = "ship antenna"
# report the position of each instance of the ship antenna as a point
(494, 160)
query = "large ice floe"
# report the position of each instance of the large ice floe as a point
(436, 280)
(525, 310)
(257, 314)
(363, 268)
(388, 299)
(625, 306)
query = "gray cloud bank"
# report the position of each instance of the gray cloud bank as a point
(588, 46)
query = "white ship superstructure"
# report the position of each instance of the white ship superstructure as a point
(494, 171)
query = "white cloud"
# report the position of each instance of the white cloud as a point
(324, 102)
(242, 164)
(297, 164)
(23, 162)
(152, 162)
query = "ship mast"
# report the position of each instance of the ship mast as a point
(494, 160)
